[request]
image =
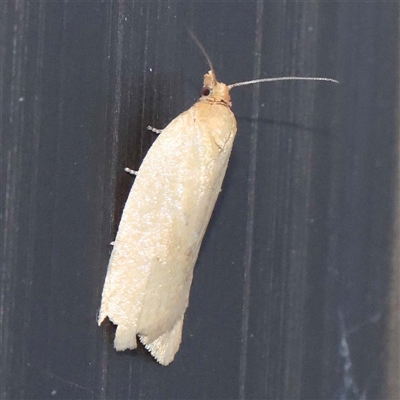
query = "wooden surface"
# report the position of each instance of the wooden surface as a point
(290, 298)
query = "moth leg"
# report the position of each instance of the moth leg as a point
(155, 130)
(130, 171)
(164, 348)
(150, 128)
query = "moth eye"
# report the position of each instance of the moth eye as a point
(205, 91)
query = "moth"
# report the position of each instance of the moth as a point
(146, 290)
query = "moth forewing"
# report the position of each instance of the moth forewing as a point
(150, 272)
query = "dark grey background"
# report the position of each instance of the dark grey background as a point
(289, 298)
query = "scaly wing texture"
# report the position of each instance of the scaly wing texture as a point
(164, 220)
(164, 348)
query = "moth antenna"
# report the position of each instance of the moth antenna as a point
(282, 78)
(203, 50)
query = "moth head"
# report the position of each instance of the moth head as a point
(214, 91)
(217, 92)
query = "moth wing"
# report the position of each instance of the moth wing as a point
(164, 220)
(164, 348)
